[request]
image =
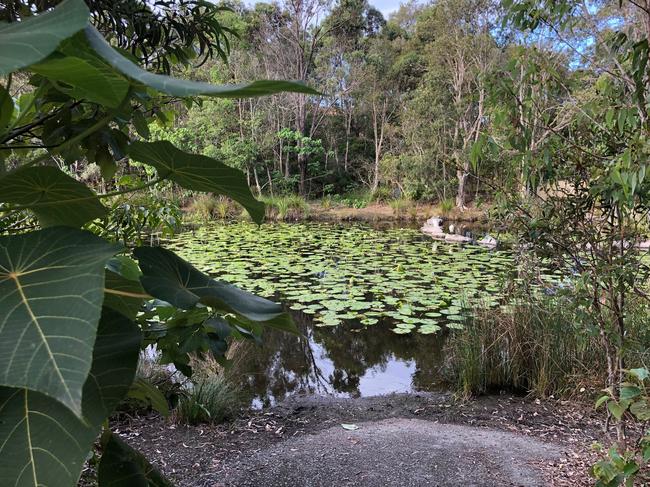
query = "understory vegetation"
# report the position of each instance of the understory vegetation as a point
(123, 122)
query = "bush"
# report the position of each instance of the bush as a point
(356, 199)
(212, 399)
(382, 195)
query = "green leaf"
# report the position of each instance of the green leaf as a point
(601, 400)
(122, 466)
(197, 172)
(51, 292)
(87, 80)
(27, 42)
(184, 88)
(123, 295)
(640, 373)
(641, 410)
(141, 125)
(41, 441)
(616, 409)
(6, 109)
(630, 392)
(149, 394)
(168, 277)
(55, 197)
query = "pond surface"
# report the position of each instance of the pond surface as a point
(374, 304)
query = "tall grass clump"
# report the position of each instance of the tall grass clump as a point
(446, 206)
(531, 346)
(207, 207)
(286, 208)
(211, 399)
(400, 207)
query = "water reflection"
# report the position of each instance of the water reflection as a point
(342, 361)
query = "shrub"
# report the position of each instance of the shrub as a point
(356, 199)
(382, 195)
(212, 399)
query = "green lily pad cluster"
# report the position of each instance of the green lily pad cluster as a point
(351, 273)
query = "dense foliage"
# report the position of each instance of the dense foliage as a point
(76, 307)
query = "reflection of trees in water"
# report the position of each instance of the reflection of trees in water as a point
(287, 364)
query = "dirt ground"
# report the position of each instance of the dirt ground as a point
(400, 440)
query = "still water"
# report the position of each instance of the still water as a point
(374, 305)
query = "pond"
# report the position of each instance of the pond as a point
(374, 304)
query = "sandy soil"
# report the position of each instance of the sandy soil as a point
(401, 440)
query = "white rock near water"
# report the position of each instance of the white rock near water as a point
(433, 228)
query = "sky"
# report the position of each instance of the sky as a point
(386, 7)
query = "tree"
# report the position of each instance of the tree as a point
(73, 304)
(588, 200)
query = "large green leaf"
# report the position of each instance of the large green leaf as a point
(86, 79)
(41, 441)
(122, 466)
(123, 295)
(183, 88)
(27, 42)
(168, 277)
(200, 173)
(6, 109)
(147, 393)
(55, 197)
(51, 292)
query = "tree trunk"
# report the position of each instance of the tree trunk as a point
(257, 182)
(461, 173)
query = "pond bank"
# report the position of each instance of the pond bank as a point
(258, 443)
(381, 212)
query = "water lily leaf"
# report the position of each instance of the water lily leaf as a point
(401, 331)
(197, 172)
(123, 466)
(41, 441)
(51, 292)
(428, 329)
(184, 88)
(168, 277)
(35, 38)
(54, 197)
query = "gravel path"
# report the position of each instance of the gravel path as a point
(397, 452)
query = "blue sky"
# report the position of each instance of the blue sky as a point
(385, 6)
